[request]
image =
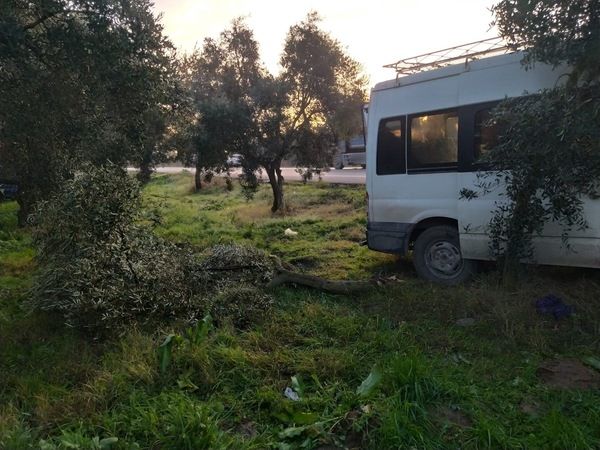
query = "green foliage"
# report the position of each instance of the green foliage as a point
(370, 383)
(80, 81)
(199, 332)
(218, 79)
(234, 264)
(297, 114)
(249, 181)
(173, 419)
(324, 86)
(547, 156)
(101, 270)
(77, 441)
(409, 378)
(165, 352)
(554, 31)
(442, 386)
(193, 337)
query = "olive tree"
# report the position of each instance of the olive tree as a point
(218, 79)
(80, 80)
(554, 32)
(301, 110)
(297, 114)
(548, 152)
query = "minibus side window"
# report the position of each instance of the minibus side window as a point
(486, 133)
(433, 141)
(391, 146)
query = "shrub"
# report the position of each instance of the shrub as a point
(238, 264)
(99, 268)
(242, 305)
(208, 176)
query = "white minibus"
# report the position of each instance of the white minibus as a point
(425, 132)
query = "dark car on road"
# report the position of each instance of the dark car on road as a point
(8, 191)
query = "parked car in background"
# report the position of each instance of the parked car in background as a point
(351, 152)
(234, 160)
(8, 191)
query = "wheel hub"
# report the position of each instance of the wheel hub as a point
(444, 258)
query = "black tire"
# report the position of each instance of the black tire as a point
(437, 256)
(339, 166)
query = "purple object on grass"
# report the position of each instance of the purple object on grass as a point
(551, 304)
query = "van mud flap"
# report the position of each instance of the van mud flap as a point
(388, 237)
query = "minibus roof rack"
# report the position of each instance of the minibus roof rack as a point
(447, 56)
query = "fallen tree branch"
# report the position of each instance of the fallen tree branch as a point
(333, 286)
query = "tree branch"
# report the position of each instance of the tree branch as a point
(48, 16)
(335, 287)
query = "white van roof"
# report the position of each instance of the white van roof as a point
(449, 71)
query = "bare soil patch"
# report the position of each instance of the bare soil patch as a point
(452, 416)
(568, 374)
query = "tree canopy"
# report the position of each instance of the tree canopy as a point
(220, 79)
(554, 32)
(298, 113)
(80, 81)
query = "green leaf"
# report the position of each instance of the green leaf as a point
(292, 432)
(68, 444)
(592, 362)
(203, 328)
(304, 418)
(187, 385)
(108, 442)
(45, 445)
(165, 352)
(198, 333)
(370, 383)
(297, 385)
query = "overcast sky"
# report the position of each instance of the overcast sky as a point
(374, 32)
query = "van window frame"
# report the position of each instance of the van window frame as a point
(466, 135)
(448, 167)
(403, 120)
(466, 139)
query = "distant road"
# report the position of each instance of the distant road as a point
(344, 176)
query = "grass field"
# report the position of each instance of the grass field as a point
(386, 369)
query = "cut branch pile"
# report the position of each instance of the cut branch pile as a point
(225, 264)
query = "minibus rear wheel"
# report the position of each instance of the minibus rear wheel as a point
(437, 256)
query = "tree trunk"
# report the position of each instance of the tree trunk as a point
(146, 164)
(276, 182)
(145, 172)
(198, 177)
(519, 238)
(25, 207)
